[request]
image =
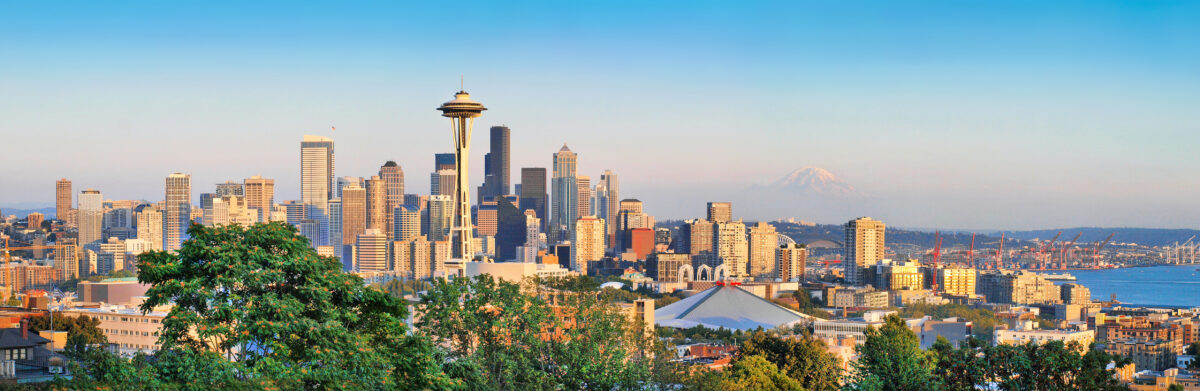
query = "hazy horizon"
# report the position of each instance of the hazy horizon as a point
(1018, 115)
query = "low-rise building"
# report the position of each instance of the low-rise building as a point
(1020, 337)
(125, 326)
(1155, 355)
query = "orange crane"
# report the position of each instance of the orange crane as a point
(937, 247)
(8, 248)
(971, 252)
(1096, 250)
(1062, 259)
(1042, 260)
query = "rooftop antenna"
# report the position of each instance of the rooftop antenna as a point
(461, 83)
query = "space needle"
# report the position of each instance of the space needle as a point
(462, 112)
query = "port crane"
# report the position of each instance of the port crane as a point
(1040, 258)
(1062, 258)
(1096, 250)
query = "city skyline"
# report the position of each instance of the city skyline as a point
(1082, 119)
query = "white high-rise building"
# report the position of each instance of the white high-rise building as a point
(864, 246)
(729, 242)
(260, 196)
(90, 216)
(316, 172)
(406, 223)
(372, 251)
(763, 243)
(587, 243)
(149, 226)
(441, 216)
(178, 213)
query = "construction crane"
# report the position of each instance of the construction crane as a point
(1062, 258)
(9, 279)
(1040, 258)
(1000, 253)
(971, 252)
(937, 247)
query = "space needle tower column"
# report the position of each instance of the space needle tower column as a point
(462, 112)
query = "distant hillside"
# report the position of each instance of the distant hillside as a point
(895, 237)
(1144, 236)
(49, 212)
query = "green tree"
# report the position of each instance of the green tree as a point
(802, 358)
(891, 359)
(1193, 349)
(959, 369)
(82, 331)
(756, 373)
(535, 337)
(262, 297)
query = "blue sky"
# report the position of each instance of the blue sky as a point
(952, 114)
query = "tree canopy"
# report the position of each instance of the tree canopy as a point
(259, 304)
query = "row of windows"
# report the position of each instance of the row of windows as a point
(129, 332)
(137, 346)
(16, 354)
(129, 319)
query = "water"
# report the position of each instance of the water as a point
(1176, 286)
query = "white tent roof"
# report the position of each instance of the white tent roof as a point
(727, 306)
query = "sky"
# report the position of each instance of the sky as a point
(998, 115)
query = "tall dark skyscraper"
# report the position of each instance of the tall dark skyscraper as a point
(533, 192)
(496, 179)
(443, 161)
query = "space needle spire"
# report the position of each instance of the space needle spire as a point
(462, 112)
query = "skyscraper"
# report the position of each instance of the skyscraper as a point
(316, 172)
(763, 243)
(462, 112)
(729, 242)
(864, 246)
(443, 161)
(91, 216)
(230, 188)
(62, 201)
(377, 211)
(178, 212)
(584, 192)
(441, 217)
(342, 182)
(607, 197)
(720, 212)
(336, 240)
(696, 238)
(354, 212)
(260, 195)
(587, 243)
(510, 223)
(393, 179)
(150, 225)
(565, 204)
(442, 182)
(496, 178)
(533, 192)
(789, 262)
(406, 223)
(371, 250)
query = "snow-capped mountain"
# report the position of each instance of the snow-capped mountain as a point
(814, 180)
